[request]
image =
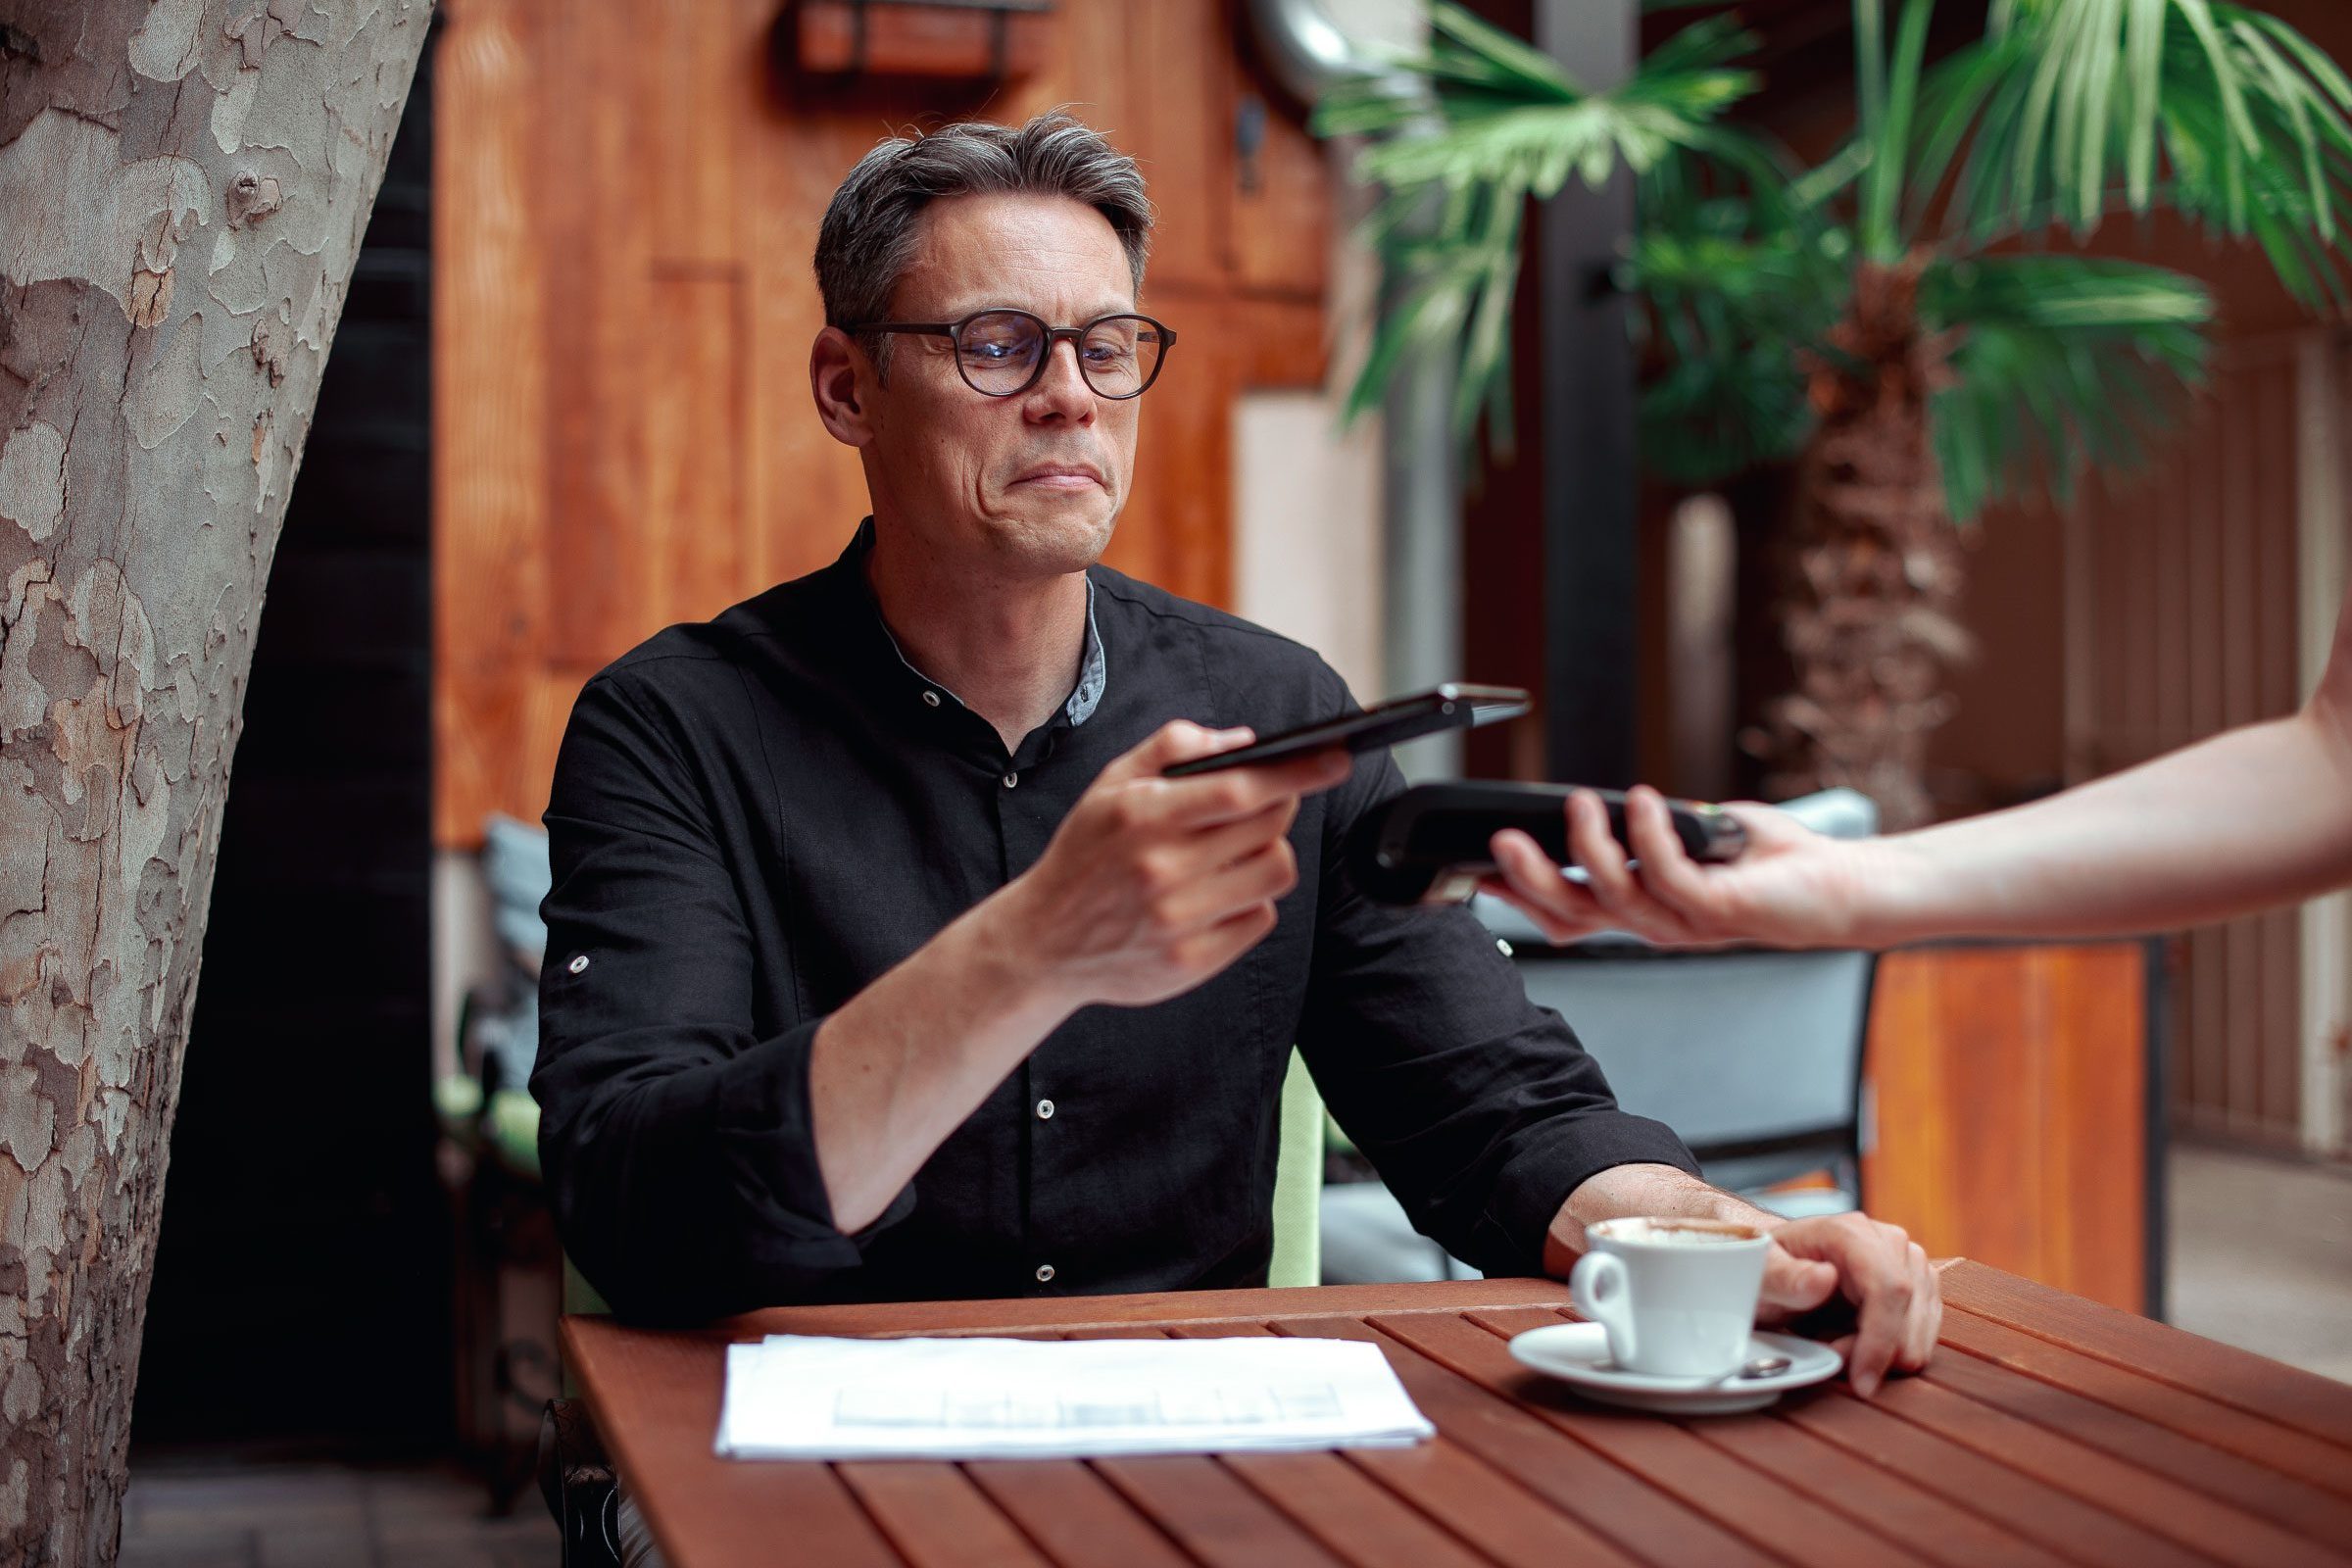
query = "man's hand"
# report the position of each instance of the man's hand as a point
(1151, 885)
(1791, 888)
(1872, 1277)
(1873, 1270)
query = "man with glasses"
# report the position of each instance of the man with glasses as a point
(884, 962)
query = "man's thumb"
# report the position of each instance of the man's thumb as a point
(1177, 741)
(1799, 1284)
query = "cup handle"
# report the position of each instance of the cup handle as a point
(1600, 1288)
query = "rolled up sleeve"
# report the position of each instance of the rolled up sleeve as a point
(1479, 1109)
(676, 1139)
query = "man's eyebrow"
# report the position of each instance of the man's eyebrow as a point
(957, 313)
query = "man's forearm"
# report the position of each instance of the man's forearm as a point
(901, 1065)
(1626, 1190)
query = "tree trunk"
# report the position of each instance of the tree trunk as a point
(183, 185)
(1876, 569)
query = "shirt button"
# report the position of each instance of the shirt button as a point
(1045, 1273)
(578, 963)
(1011, 780)
(1045, 1110)
(1502, 947)
(930, 699)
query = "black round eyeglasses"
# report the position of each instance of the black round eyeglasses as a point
(1002, 352)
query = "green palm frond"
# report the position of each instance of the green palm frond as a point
(1499, 123)
(1726, 311)
(2069, 110)
(2060, 360)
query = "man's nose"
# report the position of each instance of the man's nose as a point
(1062, 391)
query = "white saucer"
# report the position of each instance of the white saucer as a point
(1579, 1353)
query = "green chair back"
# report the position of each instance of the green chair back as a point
(1298, 1183)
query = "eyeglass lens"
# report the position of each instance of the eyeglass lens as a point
(999, 353)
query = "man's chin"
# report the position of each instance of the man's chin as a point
(1057, 534)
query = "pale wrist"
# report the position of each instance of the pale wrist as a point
(1893, 893)
(1013, 968)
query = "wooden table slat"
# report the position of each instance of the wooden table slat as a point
(2217, 1530)
(1205, 1509)
(1346, 1509)
(2156, 1400)
(1604, 1512)
(936, 1516)
(1794, 1528)
(2063, 1523)
(2316, 1512)
(1073, 1514)
(1226, 1534)
(2318, 1407)
(1938, 1530)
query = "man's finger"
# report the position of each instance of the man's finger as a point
(1884, 1291)
(1225, 797)
(1219, 945)
(1268, 873)
(1179, 740)
(1797, 1283)
(1205, 851)
(1926, 1312)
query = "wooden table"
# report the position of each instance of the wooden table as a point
(2050, 1430)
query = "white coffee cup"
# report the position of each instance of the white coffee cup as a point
(1678, 1297)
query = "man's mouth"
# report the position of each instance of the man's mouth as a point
(1061, 475)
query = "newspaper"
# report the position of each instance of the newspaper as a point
(803, 1396)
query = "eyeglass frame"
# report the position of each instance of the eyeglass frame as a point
(1076, 335)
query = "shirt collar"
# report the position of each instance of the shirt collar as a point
(1094, 668)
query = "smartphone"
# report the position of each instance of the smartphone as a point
(1430, 844)
(1453, 706)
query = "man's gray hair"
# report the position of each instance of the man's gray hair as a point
(867, 238)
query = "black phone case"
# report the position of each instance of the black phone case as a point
(1453, 706)
(1432, 839)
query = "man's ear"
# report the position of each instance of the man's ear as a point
(841, 378)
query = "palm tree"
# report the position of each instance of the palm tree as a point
(1912, 320)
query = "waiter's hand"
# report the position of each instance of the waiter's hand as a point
(1850, 1267)
(1151, 885)
(1791, 887)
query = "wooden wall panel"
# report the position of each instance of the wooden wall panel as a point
(694, 430)
(627, 195)
(2194, 604)
(2011, 1095)
(593, 249)
(490, 408)
(1281, 204)
(1178, 101)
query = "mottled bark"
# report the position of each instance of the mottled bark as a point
(183, 185)
(1869, 613)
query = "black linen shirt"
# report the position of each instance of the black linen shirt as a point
(755, 817)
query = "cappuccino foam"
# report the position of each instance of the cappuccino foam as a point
(1675, 1233)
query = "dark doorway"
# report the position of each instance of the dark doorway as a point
(301, 1292)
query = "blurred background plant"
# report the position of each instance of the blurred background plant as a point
(1909, 321)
